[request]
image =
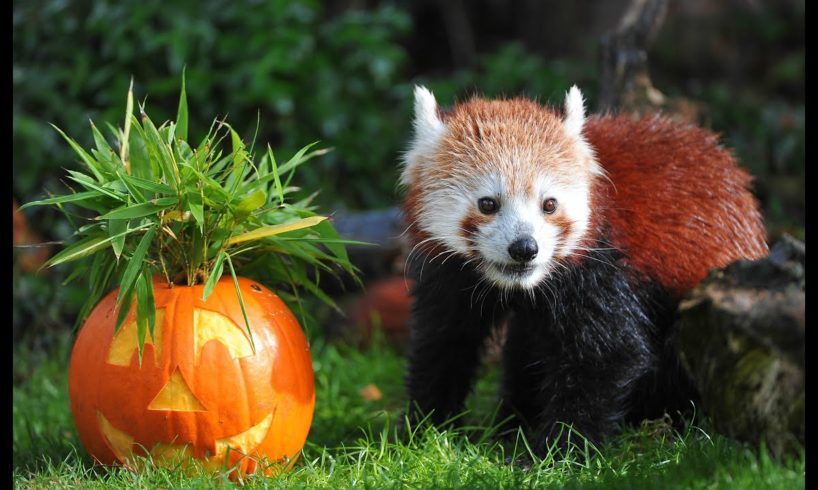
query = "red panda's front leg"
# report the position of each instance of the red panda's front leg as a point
(580, 353)
(450, 322)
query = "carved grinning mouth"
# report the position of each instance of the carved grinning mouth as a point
(122, 443)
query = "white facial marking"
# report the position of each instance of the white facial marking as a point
(522, 215)
(518, 216)
(443, 209)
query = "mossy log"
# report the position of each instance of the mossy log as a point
(741, 339)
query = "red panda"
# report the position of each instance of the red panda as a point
(581, 234)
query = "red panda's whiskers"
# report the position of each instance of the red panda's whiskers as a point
(590, 257)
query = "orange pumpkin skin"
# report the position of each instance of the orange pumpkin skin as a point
(200, 389)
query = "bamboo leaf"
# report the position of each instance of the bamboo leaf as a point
(241, 301)
(77, 196)
(79, 250)
(331, 239)
(210, 186)
(196, 205)
(239, 160)
(181, 113)
(104, 150)
(99, 285)
(218, 267)
(92, 164)
(160, 152)
(147, 277)
(84, 181)
(124, 307)
(116, 229)
(147, 185)
(276, 177)
(142, 209)
(138, 157)
(266, 231)
(197, 253)
(124, 143)
(77, 272)
(135, 263)
(249, 204)
(133, 190)
(142, 313)
(297, 159)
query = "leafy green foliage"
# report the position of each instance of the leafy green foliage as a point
(166, 208)
(312, 74)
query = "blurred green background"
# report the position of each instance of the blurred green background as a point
(342, 72)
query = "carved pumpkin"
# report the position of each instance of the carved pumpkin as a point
(200, 390)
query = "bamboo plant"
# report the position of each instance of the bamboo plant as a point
(164, 207)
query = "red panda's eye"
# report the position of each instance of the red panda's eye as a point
(549, 205)
(488, 205)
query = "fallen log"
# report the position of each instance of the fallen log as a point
(741, 339)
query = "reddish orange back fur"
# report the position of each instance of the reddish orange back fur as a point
(679, 205)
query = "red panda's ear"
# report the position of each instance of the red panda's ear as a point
(574, 112)
(573, 122)
(429, 128)
(427, 117)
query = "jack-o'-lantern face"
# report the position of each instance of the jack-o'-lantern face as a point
(201, 390)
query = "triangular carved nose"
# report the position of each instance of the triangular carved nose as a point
(176, 396)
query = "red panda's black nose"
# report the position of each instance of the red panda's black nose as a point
(523, 249)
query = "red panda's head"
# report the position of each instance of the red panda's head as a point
(503, 183)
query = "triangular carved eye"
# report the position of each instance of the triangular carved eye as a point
(124, 344)
(209, 325)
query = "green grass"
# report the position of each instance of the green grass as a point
(352, 442)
